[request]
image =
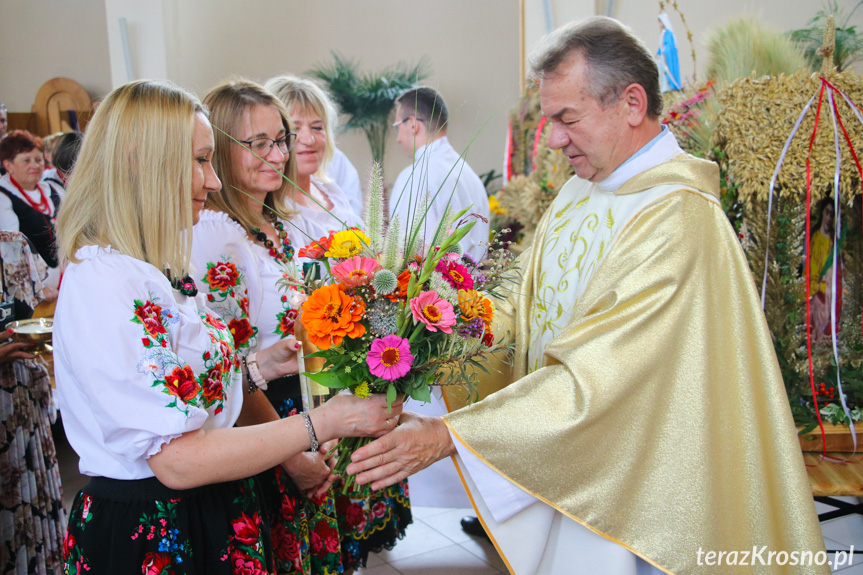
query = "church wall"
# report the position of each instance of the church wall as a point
(472, 48)
(44, 39)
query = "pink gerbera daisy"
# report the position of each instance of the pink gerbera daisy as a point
(433, 311)
(456, 274)
(390, 357)
(356, 271)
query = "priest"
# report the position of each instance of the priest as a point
(646, 428)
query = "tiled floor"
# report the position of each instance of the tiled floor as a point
(841, 534)
(436, 545)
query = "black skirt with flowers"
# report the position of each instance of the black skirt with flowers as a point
(305, 532)
(141, 526)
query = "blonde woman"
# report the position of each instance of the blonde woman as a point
(321, 204)
(147, 376)
(377, 521)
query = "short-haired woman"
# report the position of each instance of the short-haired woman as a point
(28, 204)
(147, 376)
(321, 204)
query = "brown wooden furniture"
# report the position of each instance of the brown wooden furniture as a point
(54, 100)
(831, 479)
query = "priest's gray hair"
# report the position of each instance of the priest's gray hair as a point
(615, 58)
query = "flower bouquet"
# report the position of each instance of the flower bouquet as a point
(394, 315)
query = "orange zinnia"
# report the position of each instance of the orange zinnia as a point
(473, 305)
(330, 314)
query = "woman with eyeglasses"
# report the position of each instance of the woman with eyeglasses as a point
(367, 522)
(149, 382)
(242, 240)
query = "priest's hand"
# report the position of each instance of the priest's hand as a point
(415, 444)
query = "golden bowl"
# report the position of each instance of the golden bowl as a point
(35, 331)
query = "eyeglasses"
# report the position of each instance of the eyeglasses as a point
(400, 122)
(262, 146)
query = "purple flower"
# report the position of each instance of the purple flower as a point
(472, 329)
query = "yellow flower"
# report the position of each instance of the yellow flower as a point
(362, 390)
(495, 207)
(347, 243)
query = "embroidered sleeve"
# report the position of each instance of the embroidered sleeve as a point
(223, 258)
(146, 367)
(173, 376)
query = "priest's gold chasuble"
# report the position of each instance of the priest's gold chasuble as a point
(647, 403)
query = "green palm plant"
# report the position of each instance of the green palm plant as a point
(367, 99)
(849, 42)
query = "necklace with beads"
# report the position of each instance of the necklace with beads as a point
(283, 255)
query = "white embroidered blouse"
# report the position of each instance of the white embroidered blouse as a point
(239, 279)
(137, 363)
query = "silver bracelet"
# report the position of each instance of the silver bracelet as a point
(313, 439)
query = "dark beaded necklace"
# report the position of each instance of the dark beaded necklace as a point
(283, 255)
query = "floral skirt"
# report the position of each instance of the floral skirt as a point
(32, 516)
(141, 526)
(372, 522)
(305, 532)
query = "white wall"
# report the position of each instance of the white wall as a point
(472, 48)
(701, 16)
(44, 39)
(144, 26)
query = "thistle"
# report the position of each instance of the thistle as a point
(455, 249)
(385, 282)
(382, 317)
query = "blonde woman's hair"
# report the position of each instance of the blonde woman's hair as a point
(304, 96)
(132, 184)
(228, 104)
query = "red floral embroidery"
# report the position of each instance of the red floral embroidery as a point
(287, 320)
(286, 546)
(68, 545)
(379, 509)
(182, 383)
(246, 529)
(214, 321)
(242, 330)
(289, 507)
(150, 315)
(244, 305)
(247, 565)
(325, 537)
(211, 382)
(155, 563)
(227, 353)
(222, 276)
(355, 516)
